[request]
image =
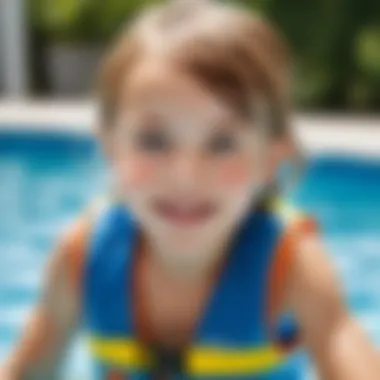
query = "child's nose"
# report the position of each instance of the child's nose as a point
(188, 168)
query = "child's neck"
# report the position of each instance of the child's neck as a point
(183, 271)
(173, 298)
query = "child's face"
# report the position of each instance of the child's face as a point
(188, 166)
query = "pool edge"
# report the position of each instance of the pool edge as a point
(318, 133)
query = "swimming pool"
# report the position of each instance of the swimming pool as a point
(46, 179)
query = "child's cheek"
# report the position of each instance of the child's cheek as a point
(139, 174)
(235, 174)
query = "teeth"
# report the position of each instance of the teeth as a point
(184, 212)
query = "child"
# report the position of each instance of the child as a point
(190, 271)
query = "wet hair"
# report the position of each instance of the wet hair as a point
(229, 50)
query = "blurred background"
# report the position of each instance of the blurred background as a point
(51, 166)
(335, 45)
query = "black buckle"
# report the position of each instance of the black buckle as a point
(167, 363)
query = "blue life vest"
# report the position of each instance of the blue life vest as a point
(232, 341)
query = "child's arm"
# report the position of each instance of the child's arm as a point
(340, 349)
(38, 353)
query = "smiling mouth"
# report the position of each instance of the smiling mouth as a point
(185, 214)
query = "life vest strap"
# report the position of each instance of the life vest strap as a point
(197, 361)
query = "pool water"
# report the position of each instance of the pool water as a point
(47, 179)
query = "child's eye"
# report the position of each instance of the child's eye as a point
(153, 141)
(222, 144)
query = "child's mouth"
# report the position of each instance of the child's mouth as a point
(186, 214)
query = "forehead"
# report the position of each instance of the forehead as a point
(160, 87)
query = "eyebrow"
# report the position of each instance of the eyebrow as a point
(150, 120)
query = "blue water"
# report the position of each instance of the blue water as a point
(46, 180)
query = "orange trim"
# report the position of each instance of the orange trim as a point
(114, 375)
(282, 264)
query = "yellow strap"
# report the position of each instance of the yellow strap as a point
(201, 361)
(120, 352)
(212, 361)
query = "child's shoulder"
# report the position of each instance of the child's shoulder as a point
(73, 245)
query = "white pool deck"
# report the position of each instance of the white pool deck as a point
(329, 133)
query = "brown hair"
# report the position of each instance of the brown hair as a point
(232, 52)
